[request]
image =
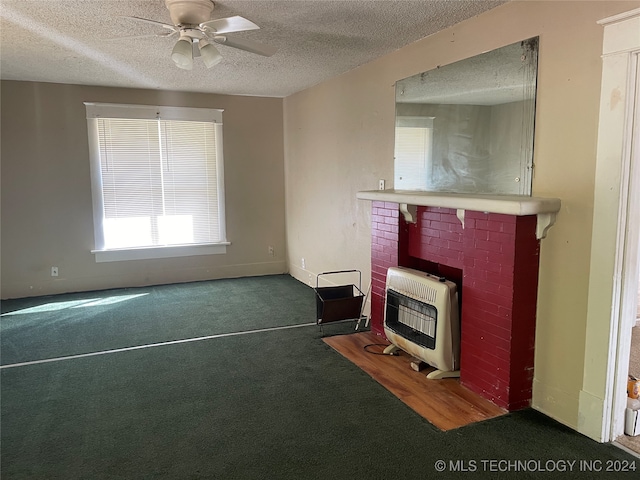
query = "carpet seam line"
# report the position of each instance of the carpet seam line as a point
(151, 345)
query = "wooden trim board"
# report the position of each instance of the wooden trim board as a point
(444, 403)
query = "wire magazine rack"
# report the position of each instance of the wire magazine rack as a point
(340, 302)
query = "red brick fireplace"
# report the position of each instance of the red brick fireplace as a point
(493, 258)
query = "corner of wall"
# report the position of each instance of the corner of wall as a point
(592, 417)
(555, 403)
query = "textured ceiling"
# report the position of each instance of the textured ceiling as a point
(71, 41)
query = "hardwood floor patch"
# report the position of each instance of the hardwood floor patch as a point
(444, 403)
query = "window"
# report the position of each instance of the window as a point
(413, 152)
(157, 181)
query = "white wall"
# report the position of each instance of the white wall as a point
(46, 196)
(339, 140)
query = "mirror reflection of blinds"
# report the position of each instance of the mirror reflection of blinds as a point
(159, 182)
(413, 152)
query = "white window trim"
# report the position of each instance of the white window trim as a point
(146, 253)
(150, 112)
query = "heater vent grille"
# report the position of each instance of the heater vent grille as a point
(417, 320)
(417, 289)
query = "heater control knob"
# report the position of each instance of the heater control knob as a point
(442, 279)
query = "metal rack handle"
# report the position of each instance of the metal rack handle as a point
(341, 271)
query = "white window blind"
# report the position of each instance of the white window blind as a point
(413, 152)
(157, 182)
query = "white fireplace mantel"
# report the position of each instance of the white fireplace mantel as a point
(544, 208)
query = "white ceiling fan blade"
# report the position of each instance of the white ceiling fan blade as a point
(245, 44)
(229, 25)
(153, 22)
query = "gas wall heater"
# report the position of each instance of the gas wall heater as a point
(422, 318)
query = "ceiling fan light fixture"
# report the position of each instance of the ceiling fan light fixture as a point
(210, 54)
(182, 54)
(191, 19)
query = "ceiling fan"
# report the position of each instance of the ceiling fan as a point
(197, 33)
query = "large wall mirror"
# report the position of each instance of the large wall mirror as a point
(467, 127)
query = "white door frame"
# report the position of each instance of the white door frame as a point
(621, 51)
(614, 262)
(627, 262)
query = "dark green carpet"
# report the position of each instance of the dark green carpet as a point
(158, 314)
(272, 405)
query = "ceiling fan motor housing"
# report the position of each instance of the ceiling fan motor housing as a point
(189, 12)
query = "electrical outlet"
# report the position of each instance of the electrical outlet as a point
(303, 263)
(54, 271)
(271, 251)
(381, 184)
